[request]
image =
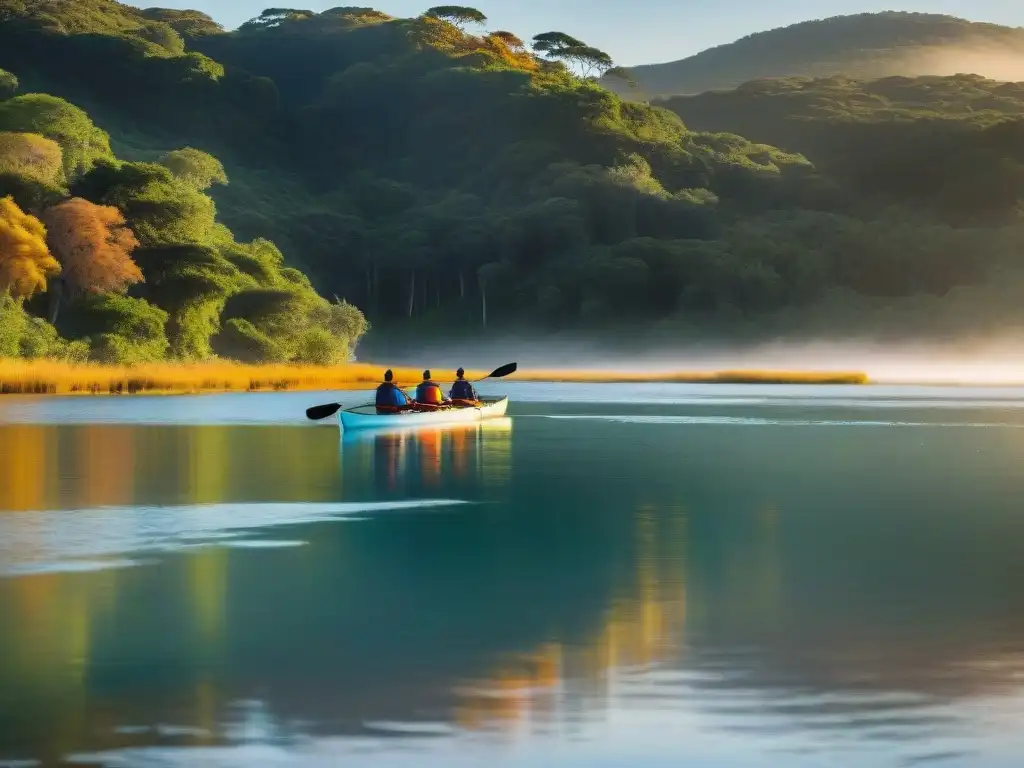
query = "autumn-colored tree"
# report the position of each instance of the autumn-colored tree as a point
(32, 155)
(511, 41)
(94, 247)
(25, 261)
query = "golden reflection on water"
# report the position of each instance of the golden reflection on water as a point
(47, 467)
(643, 627)
(678, 583)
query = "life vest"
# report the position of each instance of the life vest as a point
(429, 393)
(391, 398)
(462, 390)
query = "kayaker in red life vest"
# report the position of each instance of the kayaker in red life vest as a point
(462, 389)
(429, 392)
(390, 397)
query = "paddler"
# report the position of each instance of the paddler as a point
(429, 392)
(390, 397)
(462, 389)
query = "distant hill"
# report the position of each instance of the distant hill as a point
(866, 46)
(777, 111)
(953, 144)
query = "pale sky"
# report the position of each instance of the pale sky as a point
(634, 31)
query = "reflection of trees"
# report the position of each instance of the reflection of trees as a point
(24, 453)
(530, 610)
(45, 467)
(458, 458)
(642, 626)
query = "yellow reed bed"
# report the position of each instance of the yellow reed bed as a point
(698, 377)
(46, 377)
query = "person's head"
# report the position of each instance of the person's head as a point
(460, 373)
(426, 375)
(388, 375)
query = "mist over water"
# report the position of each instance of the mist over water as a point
(995, 360)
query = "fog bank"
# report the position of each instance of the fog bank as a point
(974, 361)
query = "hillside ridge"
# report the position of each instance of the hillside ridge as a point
(866, 45)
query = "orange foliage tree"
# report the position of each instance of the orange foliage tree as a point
(94, 246)
(25, 261)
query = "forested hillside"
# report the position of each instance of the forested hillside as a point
(442, 177)
(951, 147)
(866, 46)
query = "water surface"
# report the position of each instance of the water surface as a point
(614, 576)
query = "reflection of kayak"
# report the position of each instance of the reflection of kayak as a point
(366, 416)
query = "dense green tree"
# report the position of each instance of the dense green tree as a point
(119, 329)
(83, 144)
(442, 180)
(8, 84)
(195, 167)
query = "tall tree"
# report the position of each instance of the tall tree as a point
(585, 60)
(94, 247)
(25, 261)
(457, 15)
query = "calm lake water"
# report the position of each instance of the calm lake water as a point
(654, 575)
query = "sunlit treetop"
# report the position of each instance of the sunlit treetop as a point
(458, 15)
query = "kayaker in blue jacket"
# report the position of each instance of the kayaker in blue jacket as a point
(390, 397)
(429, 392)
(462, 389)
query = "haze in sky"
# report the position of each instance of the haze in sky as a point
(637, 31)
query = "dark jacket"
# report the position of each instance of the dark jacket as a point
(462, 390)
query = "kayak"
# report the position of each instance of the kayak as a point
(366, 416)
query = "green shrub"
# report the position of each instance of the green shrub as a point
(242, 341)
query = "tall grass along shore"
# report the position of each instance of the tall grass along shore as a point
(44, 377)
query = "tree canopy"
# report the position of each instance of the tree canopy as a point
(428, 177)
(8, 84)
(195, 167)
(458, 15)
(93, 245)
(25, 260)
(584, 59)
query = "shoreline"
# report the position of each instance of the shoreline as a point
(41, 377)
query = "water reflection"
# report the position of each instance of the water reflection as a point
(611, 587)
(425, 459)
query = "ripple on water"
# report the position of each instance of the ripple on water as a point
(760, 421)
(92, 539)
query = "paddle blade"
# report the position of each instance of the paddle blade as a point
(505, 370)
(318, 412)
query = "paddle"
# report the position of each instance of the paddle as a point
(318, 412)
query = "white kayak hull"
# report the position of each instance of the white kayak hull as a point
(366, 416)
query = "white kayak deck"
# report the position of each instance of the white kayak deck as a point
(366, 416)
